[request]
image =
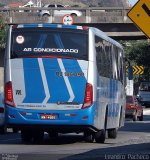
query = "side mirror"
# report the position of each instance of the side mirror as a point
(130, 73)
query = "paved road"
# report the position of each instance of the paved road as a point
(133, 142)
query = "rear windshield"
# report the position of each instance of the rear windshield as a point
(145, 86)
(129, 99)
(38, 42)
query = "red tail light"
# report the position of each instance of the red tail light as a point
(9, 94)
(85, 27)
(14, 26)
(88, 99)
(131, 106)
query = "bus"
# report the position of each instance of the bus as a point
(64, 79)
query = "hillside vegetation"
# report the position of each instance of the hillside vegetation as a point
(103, 3)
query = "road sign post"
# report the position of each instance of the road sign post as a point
(137, 70)
(140, 15)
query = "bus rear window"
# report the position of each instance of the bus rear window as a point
(46, 42)
(145, 86)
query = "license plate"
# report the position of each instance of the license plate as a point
(48, 116)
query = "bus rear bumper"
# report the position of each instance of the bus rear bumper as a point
(64, 119)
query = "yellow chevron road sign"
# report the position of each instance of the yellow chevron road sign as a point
(136, 70)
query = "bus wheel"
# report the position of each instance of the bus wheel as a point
(53, 134)
(15, 130)
(38, 136)
(88, 137)
(26, 136)
(112, 133)
(100, 136)
(141, 117)
(3, 129)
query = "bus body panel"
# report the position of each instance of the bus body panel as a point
(109, 94)
(48, 83)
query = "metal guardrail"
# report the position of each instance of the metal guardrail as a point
(90, 15)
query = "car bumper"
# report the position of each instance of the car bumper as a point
(130, 112)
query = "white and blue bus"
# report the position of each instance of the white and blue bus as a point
(63, 79)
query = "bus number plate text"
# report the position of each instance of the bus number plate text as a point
(48, 116)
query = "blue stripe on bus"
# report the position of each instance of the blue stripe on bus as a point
(56, 84)
(48, 25)
(73, 80)
(33, 82)
(113, 106)
(32, 85)
(78, 83)
(30, 25)
(68, 26)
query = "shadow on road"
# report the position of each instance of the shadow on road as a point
(138, 126)
(133, 151)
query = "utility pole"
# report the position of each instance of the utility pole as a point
(39, 3)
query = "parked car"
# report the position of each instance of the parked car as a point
(144, 93)
(2, 114)
(134, 109)
(58, 12)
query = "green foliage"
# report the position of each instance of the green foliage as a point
(3, 28)
(2, 5)
(138, 52)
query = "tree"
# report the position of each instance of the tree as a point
(3, 28)
(138, 52)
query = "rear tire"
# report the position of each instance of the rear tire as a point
(26, 136)
(88, 137)
(3, 129)
(15, 130)
(46, 16)
(100, 136)
(112, 133)
(38, 136)
(73, 15)
(141, 117)
(53, 134)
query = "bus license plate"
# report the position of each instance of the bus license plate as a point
(48, 116)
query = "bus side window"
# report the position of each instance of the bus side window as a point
(103, 57)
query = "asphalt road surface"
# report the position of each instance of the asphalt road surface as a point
(133, 142)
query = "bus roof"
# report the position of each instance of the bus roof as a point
(95, 30)
(105, 37)
(49, 25)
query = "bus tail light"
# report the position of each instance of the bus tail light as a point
(88, 99)
(9, 94)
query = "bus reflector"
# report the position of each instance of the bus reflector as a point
(9, 94)
(88, 99)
